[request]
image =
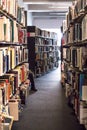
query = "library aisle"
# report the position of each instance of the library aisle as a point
(47, 108)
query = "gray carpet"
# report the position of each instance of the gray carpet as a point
(47, 108)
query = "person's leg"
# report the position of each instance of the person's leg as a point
(32, 81)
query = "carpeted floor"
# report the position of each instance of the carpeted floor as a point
(47, 108)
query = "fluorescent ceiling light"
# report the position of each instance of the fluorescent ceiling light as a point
(63, 3)
(39, 10)
(36, 3)
(58, 7)
(58, 13)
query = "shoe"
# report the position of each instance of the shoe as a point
(34, 89)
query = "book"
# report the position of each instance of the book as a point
(12, 7)
(20, 55)
(25, 54)
(4, 89)
(21, 35)
(8, 30)
(13, 57)
(19, 14)
(82, 83)
(84, 92)
(78, 57)
(2, 62)
(15, 75)
(74, 57)
(77, 32)
(82, 58)
(8, 6)
(11, 31)
(1, 99)
(23, 73)
(23, 16)
(2, 28)
(18, 70)
(84, 25)
(6, 60)
(15, 32)
(1, 3)
(4, 4)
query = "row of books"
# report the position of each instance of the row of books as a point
(35, 31)
(46, 61)
(76, 56)
(43, 48)
(78, 82)
(13, 9)
(11, 32)
(76, 93)
(11, 82)
(81, 58)
(48, 34)
(43, 41)
(81, 4)
(9, 6)
(46, 58)
(42, 56)
(11, 57)
(67, 54)
(45, 66)
(73, 12)
(77, 8)
(47, 55)
(76, 32)
(72, 91)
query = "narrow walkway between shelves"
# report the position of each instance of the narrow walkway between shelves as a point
(47, 108)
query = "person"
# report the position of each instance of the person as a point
(32, 82)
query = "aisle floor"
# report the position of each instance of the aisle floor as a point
(47, 108)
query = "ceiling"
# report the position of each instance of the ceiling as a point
(48, 8)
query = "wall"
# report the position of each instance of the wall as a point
(29, 18)
(48, 23)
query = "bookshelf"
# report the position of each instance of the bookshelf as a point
(43, 50)
(14, 66)
(74, 59)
